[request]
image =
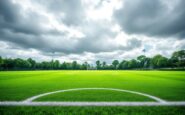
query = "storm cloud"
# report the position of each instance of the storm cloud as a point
(162, 18)
(102, 29)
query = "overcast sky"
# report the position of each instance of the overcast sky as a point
(90, 30)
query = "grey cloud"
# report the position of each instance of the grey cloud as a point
(73, 10)
(41, 43)
(26, 32)
(153, 17)
(95, 40)
(8, 11)
(182, 44)
(22, 40)
(12, 18)
(100, 38)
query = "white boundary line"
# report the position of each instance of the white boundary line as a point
(29, 101)
(16, 103)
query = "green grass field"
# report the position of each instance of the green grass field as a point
(20, 85)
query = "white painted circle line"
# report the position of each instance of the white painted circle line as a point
(113, 89)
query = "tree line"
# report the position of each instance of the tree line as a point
(177, 60)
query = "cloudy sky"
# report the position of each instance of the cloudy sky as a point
(90, 30)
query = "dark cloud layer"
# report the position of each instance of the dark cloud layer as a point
(12, 19)
(27, 32)
(73, 10)
(153, 17)
(63, 26)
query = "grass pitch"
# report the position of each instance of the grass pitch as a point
(20, 85)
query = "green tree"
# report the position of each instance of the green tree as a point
(21, 64)
(121, 64)
(64, 65)
(69, 66)
(98, 65)
(124, 64)
(32, 62)
(8, 64)
(45, 65)
(104, 65)
(178, 58)
(142, 61)
(56, 64)
(132, 64)
(74, 65)
(1, 63)
(85, 66)
(115, 64)
(163, 62)
(159, 61)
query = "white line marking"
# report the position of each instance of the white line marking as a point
(28, 102)
(113, 89)
(16, 103)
